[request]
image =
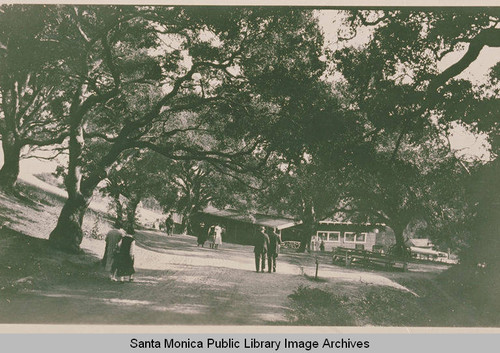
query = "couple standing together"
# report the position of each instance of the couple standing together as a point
(119, 255)
(266, 245)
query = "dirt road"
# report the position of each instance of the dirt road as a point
(177, 283)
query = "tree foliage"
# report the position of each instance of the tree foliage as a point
(30, 86)
(204, 87)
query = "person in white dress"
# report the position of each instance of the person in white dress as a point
(218, 236)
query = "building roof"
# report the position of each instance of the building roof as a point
(421, 243)
(423, 251)
(331, 221)
(258, 219)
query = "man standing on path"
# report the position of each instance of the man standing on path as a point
(169, 225)
(260, 249)
(273, 251)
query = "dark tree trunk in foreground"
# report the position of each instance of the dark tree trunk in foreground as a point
(10, 168)
(68, 234)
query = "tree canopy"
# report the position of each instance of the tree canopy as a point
(224, 94)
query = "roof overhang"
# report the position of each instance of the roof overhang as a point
(326, 221)
(257, 219)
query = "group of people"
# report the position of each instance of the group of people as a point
(267, 245)
(119, 255)
(213, 236)
(317, 244)
(119, 252)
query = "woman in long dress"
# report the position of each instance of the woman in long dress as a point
(113, 237)
(125, 258)
(218, 236)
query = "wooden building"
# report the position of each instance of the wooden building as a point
(240, 227)
(348, 235)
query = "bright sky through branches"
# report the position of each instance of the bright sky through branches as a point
(463, 141)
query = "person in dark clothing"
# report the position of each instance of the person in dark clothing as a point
(260, 249)
(211, 236)
(169, 225)
(124, 258)
(273, 251)
(202, 235)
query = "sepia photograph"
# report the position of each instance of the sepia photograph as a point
(296, 166)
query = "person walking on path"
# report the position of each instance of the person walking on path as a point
(202, 235)
(260, 249)
(169, 225)
(125, 258)
(217, 236)
(113, 237)
(273, 251)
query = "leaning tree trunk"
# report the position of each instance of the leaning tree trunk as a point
(119, 212)
(10, 168)
(131, 211)
(68, 234)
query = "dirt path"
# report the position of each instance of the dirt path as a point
(176, 283)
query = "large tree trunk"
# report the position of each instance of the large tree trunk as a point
(187, 220)
(68, 234)
(10, 168)
(400, 249)
(305, 239)
(131, 211)
(309, 224)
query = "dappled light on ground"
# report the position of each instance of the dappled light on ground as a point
(176, 282)
(182, 250)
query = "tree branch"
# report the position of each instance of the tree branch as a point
(489, 37)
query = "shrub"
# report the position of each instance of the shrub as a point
(316, 307)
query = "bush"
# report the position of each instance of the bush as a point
(316, 307)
